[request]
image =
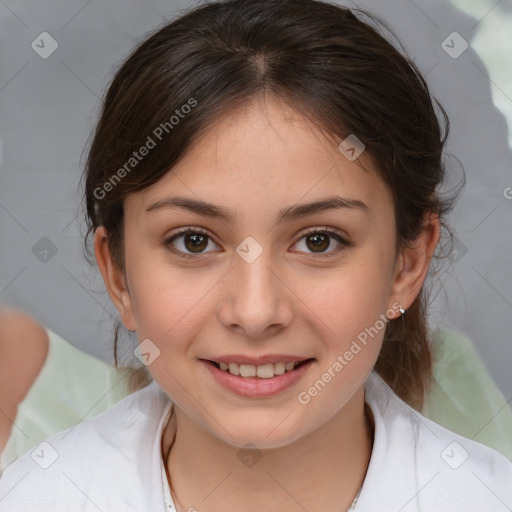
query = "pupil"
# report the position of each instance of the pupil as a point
(320, 241)
(197, 240)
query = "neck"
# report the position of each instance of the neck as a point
(206, 474)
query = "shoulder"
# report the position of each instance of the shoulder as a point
(429, 467)
(78, 467)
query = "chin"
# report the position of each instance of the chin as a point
(257, 437)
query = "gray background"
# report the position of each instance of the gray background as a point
(48, 108)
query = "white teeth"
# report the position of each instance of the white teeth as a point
(264, 371)
(247, 370)
(233, 368)
(279, 368)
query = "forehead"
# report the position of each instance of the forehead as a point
(261, 157)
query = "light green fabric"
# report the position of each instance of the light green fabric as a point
(464, 397)
(74, 386)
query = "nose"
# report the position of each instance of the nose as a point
(256, 300)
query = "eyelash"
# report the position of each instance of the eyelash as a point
(325, 230)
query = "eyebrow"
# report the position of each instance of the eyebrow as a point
(288, 213)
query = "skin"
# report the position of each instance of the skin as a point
(24, 347)
(290, 300)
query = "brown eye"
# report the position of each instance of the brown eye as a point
(189, 242)
(319, 241)
(195, 243)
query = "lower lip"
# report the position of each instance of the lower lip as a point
(256, 387)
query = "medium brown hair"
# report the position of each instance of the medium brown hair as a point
(324, 60)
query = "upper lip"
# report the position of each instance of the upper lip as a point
(260, 360)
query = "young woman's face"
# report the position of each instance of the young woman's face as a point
(255, 286)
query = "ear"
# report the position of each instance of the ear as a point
(114, 278)
(413, 264)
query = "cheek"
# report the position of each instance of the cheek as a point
(346, 299)
(168, 302)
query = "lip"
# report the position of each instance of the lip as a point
(260, 360)
(255, 387)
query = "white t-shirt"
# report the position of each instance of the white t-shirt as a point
(113, 463)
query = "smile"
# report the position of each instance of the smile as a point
(257, 381)
(264, 371)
